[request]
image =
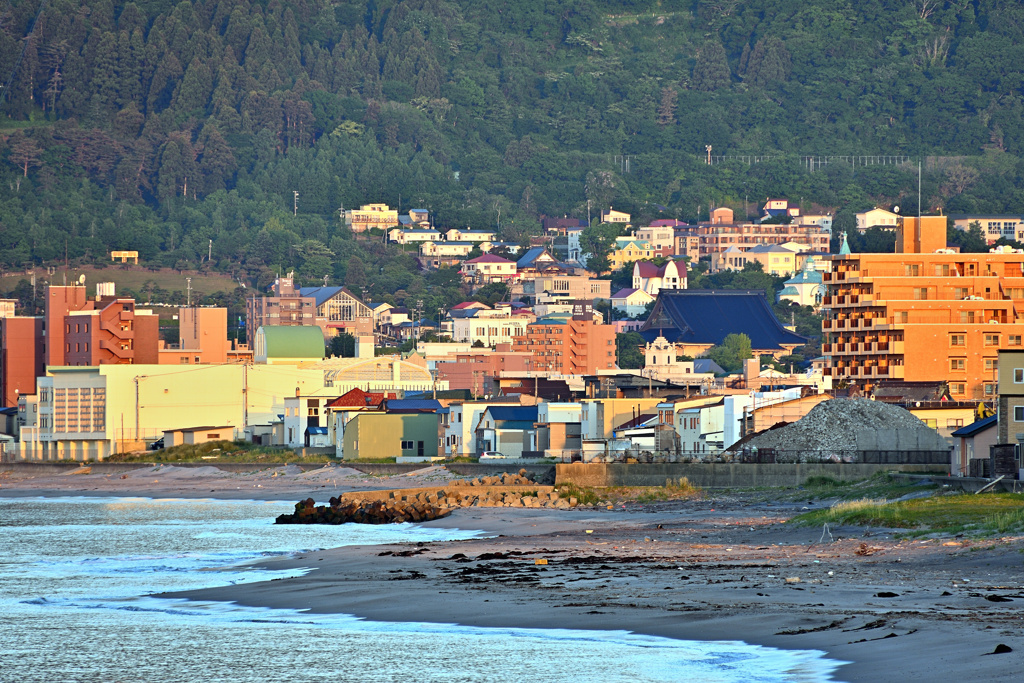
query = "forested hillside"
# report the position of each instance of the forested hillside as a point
(161, 126)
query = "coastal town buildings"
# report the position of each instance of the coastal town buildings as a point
(722, 233)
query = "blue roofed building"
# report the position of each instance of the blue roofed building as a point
(806, 288)
(694, 320)
(510, 430)
(339, 310)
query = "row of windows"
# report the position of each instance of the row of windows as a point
(961, 364)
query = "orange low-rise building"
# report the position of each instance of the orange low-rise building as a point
(21, 357)
(922, 315)
(568, 346)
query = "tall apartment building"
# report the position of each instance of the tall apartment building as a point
(21, 357)
(918, 315)
(568, 346)
(286, 307)
(722, 233)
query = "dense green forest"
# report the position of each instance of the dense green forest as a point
(183, 129)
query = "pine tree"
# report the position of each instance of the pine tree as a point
(711, 72)
(769, 62)
(25, 153)
(217, 163)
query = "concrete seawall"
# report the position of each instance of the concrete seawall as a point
(716, 475)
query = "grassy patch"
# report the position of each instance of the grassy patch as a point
(584, 495)
(219, 452)
(984, 514)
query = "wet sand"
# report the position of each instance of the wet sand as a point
(711, 569)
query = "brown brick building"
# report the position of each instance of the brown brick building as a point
(568, 346)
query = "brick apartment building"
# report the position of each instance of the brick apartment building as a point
(477, 371)
(722, 233)
(568, 346)
(918, 315)
(111, 332)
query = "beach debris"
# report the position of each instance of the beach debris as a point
(864, 550)
(540, 561)
(793, 579)
(1001, 649)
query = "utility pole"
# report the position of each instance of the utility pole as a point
(209, 253)
(295, 203)
(188, 289)
(708, 148)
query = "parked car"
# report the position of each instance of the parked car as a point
(157, 445)
(493, 455)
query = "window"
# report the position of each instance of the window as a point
(1014, 340)
(967, 316)
(407, 445)
(912, 270)
(961, 293)
(1018, 413)
(957, 364)
(957, 340)
(991, 364)
(990, 389)
(921, 293)
(957, 388)
(954, 422)
(901, 317)
(991, 340)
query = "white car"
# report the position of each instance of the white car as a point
(493, 455)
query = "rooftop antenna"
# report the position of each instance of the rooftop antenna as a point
(188, 288)
(918, 188)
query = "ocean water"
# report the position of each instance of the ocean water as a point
(76, 576)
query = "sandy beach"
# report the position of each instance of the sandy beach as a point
(723, 567)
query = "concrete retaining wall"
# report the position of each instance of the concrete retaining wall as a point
(714, 475)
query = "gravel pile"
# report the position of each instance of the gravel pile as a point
(849, 424)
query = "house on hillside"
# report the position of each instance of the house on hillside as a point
(631, 301)
(876, 217)
(652, 278)
(488, 268)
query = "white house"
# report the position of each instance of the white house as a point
(880, 217)
(488, 268)
(631, 301)
(613, 216)
(700, 428)
(413, 235)
(489, 327)
(467, 235)
(652, 278)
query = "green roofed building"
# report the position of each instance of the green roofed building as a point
(279, 344)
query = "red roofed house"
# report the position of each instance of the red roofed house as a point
(652, 278)
(342, 409)
(488, 268)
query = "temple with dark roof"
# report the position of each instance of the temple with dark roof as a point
(697, 319)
